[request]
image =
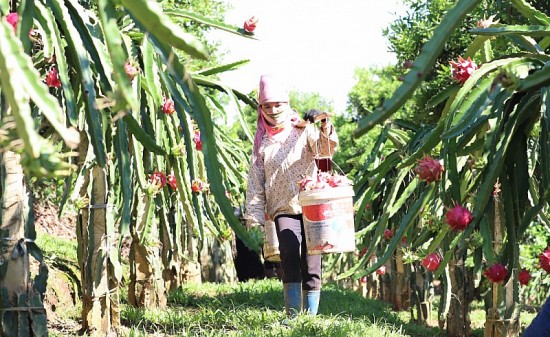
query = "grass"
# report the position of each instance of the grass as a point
(253, 308)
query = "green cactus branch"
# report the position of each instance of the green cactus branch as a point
(422, 65)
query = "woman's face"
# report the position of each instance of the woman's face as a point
(275, 112)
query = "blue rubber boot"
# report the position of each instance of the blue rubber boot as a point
(311, 301)
(293, 298)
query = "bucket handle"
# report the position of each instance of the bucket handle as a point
(316, 170)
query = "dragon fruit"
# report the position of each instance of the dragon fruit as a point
(458, 218)
(250, 25)
(544, 259)
(168, 106)
(323, 180)
(432, 261)
(524, 277)
(463, 69)
(429, 169)
(496, 273)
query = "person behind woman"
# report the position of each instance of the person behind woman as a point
(285, 149)
(540, 326)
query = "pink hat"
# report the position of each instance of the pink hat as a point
(272, 89)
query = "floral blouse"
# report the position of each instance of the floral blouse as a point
(273, 181)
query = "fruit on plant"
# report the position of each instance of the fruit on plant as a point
(496, 273)
(544, 259)
(158, 178)
(250, 24)
(52, 78)
(463, 69)
(431, 261)
(388, 234)
(12, 19)
(458, 218)
(429, 169)
(197, 140)
(381, 270)
(524, 277)
(363, 251)
(197, 186)
(131, 70)
(171, 181)
(168, 105)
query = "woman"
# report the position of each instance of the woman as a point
(285, 149)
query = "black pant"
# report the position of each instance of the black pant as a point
(297, 264)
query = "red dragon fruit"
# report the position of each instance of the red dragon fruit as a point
(524, 277)
(172, 181)
(250, 25)
(432, 261)
(158, 178)
(198, 186)
(463, 69)
(544, 259)
(197, 140)
(168, 106)
(12, 19)
(458, 218)
(429, 169)
(52, 78)
(323, 180)
(496, 273)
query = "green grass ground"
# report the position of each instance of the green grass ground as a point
(253, 308)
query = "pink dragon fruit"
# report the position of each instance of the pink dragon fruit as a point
(458, 218)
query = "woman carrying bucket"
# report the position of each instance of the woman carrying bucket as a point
(285, 148)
